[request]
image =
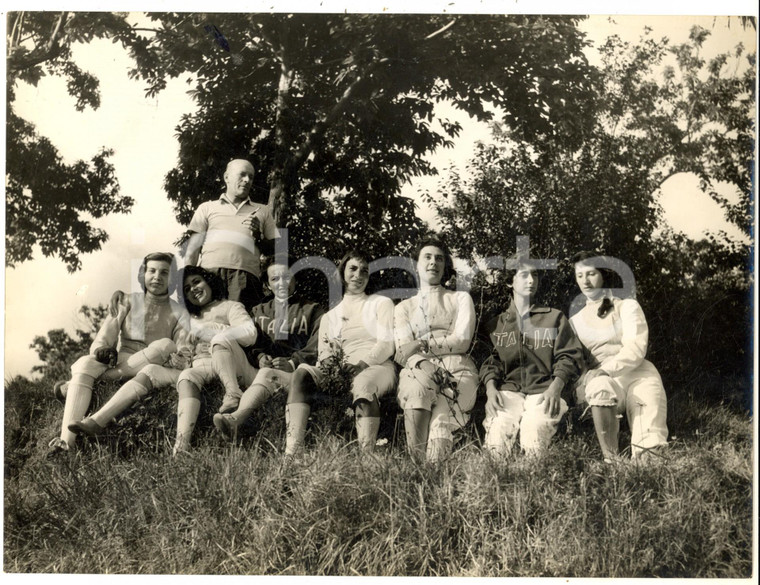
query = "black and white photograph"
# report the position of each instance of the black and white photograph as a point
(422, 289)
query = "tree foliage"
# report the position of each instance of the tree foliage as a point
(653, 120)
(337, 111)
(58, 350)
(49, 201)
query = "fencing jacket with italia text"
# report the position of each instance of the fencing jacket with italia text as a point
(529, 351)
(294, 337)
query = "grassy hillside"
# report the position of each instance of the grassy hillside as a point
(121, 504)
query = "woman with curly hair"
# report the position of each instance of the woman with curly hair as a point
(218, 329)
(534, 356)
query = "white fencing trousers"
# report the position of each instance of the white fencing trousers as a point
(524, 414)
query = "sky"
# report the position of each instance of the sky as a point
(41, 295)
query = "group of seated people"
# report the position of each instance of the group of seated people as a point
(420, 349)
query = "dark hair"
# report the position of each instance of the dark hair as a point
(274, 260)
(513, 263)
(271, 260)
(448, 261)
(353, 254)
(218, 291)
(159, 257)
(608, 277)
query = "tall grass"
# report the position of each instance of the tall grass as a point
(121, 504)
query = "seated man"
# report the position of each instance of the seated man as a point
(147, 330)
(535, 354)
(284, 345)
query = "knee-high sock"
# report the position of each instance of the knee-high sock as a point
(607, 428)
(439, 449)
(78, 398)
(188, 408)
(296, 417)
(130, 393)
(224, 367)
(366, 431)
(417, 426)
(253, 398)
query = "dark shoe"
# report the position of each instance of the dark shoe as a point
(86, 426)
(226, 424)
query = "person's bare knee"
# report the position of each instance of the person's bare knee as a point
(302, 387)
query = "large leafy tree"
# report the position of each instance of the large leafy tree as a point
(338, 111)
(48, 201)
(661, 110)
(652, 121)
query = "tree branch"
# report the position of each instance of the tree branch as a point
(51, 51)
(440, 30)
(53, 42)
(16, 23)
(321, 127)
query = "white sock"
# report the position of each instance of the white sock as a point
(78, 398)
(367, 428)
(224, 367)
(253, 398)
(187, 415)
(296, 417)
(126, 396)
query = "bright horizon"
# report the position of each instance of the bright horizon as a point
(41, 295)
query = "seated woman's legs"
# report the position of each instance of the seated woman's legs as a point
(605, 395)
(150, 377)
(440, 438)
(84, 372)
(367, 422)
(537, 427)
(267, 382)
(302, 388)
(128, 366)
(416, 394)
(367, 387)
(232, 367)
(188, 408)
(189, 401)
(647, 412)
(502, 428)
(449, 414)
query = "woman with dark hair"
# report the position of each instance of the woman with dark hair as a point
(433, 332)
(359, 333)
(534, 355)
(619, 379)
(288, 327)
(218, 328)
(214, 282)
(147, 329)
(210, 347)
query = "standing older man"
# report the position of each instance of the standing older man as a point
(231, 233)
